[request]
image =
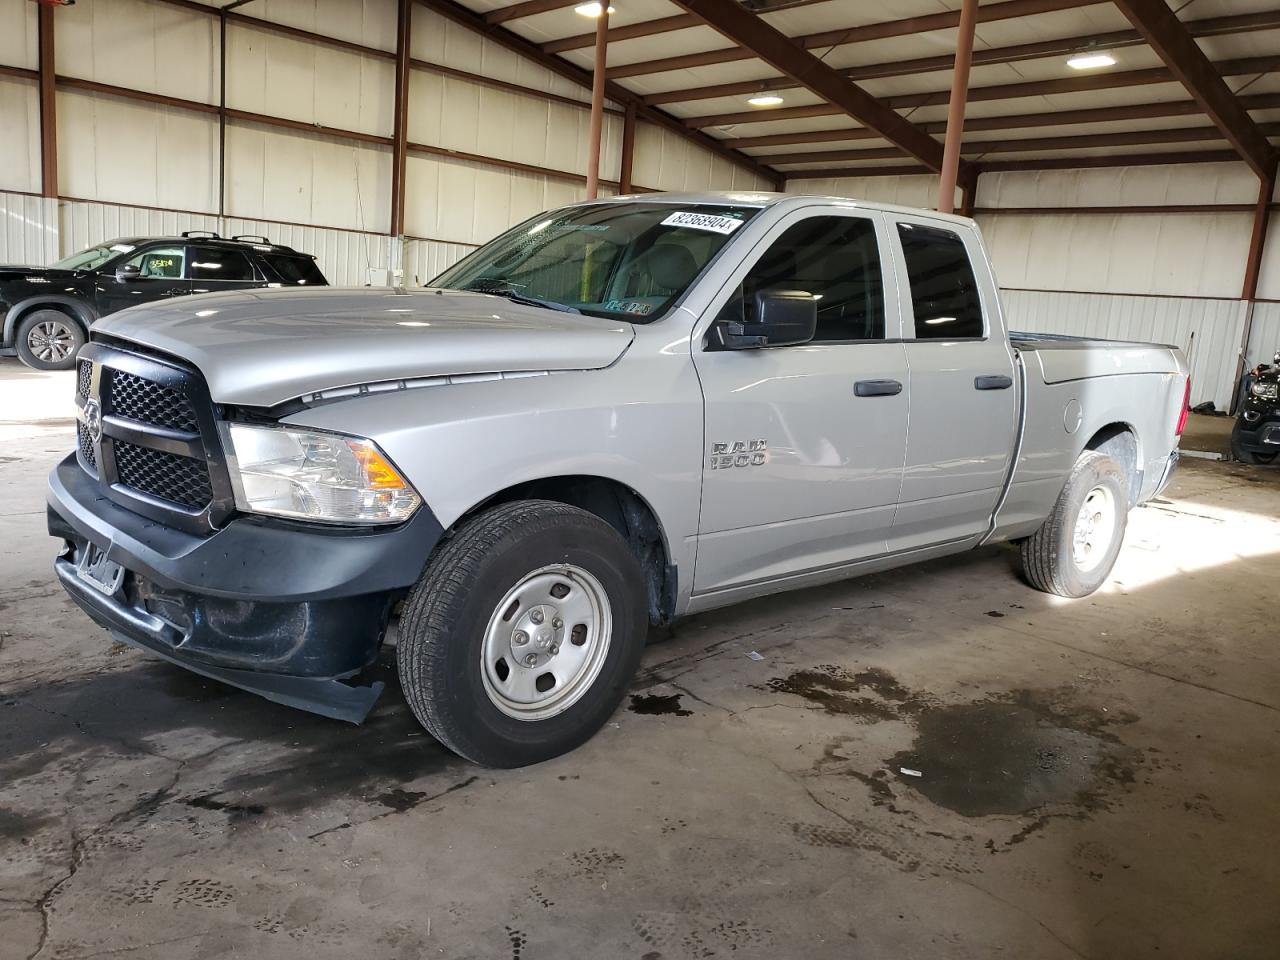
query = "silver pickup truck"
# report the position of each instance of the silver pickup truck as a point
(613, 415)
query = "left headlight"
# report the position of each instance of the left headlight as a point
(315, 476)
(1263, 389)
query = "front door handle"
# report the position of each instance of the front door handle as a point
(877, 388)
(992, 381)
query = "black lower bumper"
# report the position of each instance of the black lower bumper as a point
(289, 611)
(1260, 436)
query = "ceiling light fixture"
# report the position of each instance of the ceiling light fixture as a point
(592, 10)
(1091, 61)
(765, 100)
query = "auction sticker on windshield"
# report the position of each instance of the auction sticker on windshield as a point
(703, 221)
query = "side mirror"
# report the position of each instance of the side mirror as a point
(783, 318)
(127, 272)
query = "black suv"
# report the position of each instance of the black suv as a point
(46, 311)
(1256, 436)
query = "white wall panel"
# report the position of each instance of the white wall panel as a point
(345, 257)
(82, 224)
(911, 190)
(140, 44)
(462, 115)
(1118, 186)
(667, 161)
(426, 259)
(28, 230)
(128, 152)
(284, 77)
(18, 40)
(462, 202)
(437, 39)
(1217, 326)
(1194, 255)
(277, 175)
(19, 135)
(368, 22)
(1264, 335)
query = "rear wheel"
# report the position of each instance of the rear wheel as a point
(520, 638)
(1072, 553)
(49, 340)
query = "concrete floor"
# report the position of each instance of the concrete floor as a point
(1096, 778)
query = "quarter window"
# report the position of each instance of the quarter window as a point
(944, 293)
(211, 263)
(837, 261)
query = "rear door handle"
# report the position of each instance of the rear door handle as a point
(877, 388)
(992, 381)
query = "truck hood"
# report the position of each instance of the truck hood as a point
(263, 347)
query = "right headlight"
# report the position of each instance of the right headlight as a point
(310, 475)
(1264, 389)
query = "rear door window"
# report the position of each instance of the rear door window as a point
(944, 292)
(299, 271)
(214, 263)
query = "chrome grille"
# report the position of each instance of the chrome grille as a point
(167, 476)
(149, 402)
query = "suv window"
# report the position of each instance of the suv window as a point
(159, 263)
(837, 260)
(295, 270)
(214, 263)
(944, 293)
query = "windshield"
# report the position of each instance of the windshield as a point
(94, 257)
(627, 261)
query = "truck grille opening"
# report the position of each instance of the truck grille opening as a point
(180, 480)
(84, 378)
(87, 453)
(149, 402)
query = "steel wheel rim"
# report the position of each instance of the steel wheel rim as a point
(555, 622)
(51, 341)
(1095, 529)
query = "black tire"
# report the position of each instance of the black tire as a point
(1250, 456)
(448, 612)
(1048, 555)
(49, 340)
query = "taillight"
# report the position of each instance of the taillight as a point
(1186, 409)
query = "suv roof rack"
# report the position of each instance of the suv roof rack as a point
(200, 233)
(251, 238)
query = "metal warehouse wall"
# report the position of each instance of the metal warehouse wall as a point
(325, 194)
(1157, 277)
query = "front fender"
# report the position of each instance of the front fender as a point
(638, 423)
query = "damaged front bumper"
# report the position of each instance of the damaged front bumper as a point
(289, 611)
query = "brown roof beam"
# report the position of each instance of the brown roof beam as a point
(1006, 10)
(527, 8)
(1208, 27)
(781, 53)
(1171, 40)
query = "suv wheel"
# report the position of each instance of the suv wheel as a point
(1074, 550)
(520, 638)
(49, 340)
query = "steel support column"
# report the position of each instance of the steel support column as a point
(400, 130)
(48, 105)
(628, 148)
(1253, 269)
(955, 111)
(597, 101)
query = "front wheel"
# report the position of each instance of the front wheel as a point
(1251, 456)
(519, 639)
(1073, 552)
(49, 340)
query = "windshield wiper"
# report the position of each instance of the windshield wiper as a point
(502, 288)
